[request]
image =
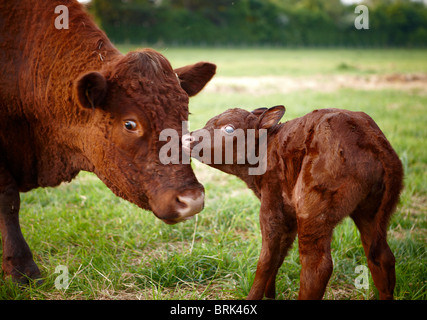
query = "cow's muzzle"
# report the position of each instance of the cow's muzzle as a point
(176, 206)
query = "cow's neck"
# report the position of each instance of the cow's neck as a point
(46, 63)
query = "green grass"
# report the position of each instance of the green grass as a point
(113, 250)
(299, 62)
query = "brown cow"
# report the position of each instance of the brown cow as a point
(320, 168)
(70, 101)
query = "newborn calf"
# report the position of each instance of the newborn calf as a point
(320, 168)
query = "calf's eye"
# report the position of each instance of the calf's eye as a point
(130, 125)
(228, 129)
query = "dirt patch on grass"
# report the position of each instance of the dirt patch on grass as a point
(264, 85)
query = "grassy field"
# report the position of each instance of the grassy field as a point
(113, 250)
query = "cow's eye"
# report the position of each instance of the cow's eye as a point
(228, 129)
(130, 125)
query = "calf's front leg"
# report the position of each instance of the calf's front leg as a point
(286, 241)
(278, 231)
(18, 260)
(314, 241)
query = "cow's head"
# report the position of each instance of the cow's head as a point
(130, 102)
(231, 141)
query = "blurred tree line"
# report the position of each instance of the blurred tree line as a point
(261, 22)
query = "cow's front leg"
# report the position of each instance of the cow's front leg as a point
(18, 261)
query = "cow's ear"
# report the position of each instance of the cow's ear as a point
(194, 77)
(271, 117)
(91, 89)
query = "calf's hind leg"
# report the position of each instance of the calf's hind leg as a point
(18, 261)
(381, 263)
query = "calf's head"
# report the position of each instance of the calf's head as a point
(235, 140)
(127, 104)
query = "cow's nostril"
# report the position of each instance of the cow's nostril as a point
(181, 201)
(190, 205)
(180, 204)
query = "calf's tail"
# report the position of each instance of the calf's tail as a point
(393, 185)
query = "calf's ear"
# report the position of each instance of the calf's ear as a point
(259, 111)
(271, 117)
(91, 89)
(194, 77)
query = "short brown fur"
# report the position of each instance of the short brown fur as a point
(66, 99)
(321, 167)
